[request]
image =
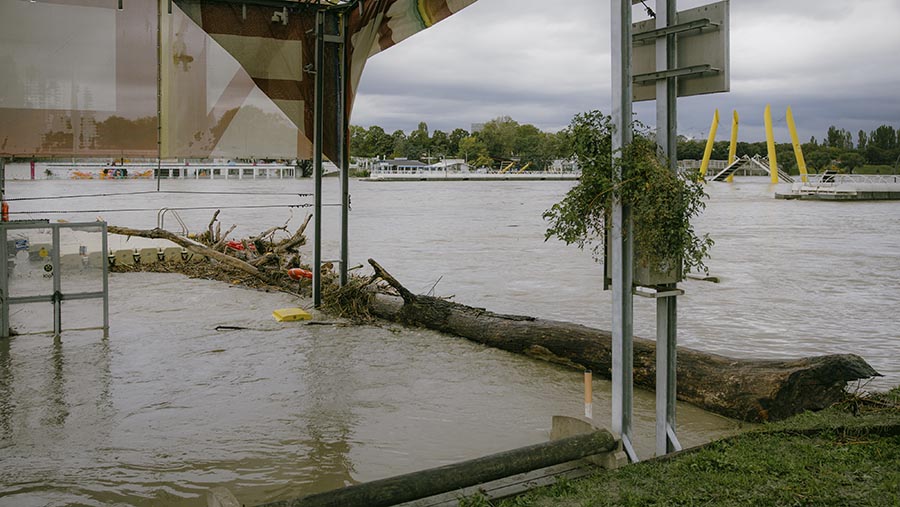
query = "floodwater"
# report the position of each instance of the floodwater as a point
(167, 406)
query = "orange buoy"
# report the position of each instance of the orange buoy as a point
(4, 212)
(234, 245)
(297, 274)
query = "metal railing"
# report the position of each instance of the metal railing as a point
(831, 179)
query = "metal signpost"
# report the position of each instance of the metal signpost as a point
(318, 147)
(664, 68)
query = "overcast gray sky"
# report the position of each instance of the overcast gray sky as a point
(836, 62)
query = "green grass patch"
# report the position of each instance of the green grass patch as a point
(846, 455)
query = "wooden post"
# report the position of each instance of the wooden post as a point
(588, 394)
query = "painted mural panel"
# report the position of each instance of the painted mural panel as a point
(229, 80)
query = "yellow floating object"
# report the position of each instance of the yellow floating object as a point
(291, 314)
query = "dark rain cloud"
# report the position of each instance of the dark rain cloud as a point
(541, 62)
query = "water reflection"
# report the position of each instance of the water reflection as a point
(6, 391)
(323, 404)
(57, 408)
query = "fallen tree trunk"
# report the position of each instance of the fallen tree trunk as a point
(753, 390)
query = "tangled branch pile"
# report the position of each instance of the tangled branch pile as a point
(259, 260)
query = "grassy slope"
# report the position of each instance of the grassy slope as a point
(847, 455)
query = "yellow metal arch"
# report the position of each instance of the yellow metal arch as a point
(732, 148)
(770, 144)
(704, 165)
(798, 151)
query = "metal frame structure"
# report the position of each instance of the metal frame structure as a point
(666, 76)
(622, 227)
(57, 297)
(331, 28)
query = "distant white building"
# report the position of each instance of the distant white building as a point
(398, 166)
(453, 165)
(564, 165)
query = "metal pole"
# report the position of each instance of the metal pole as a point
(3, 179)
(345, 149)
(666, 89)
(57, 282)
(105, 263)
(318, 113)
(622, 318)
(4, 258)
(666, 307)
(4, 282)
(158, 94)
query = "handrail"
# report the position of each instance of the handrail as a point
(161, 217)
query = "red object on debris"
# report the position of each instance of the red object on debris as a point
(234, 245)
(297, 274)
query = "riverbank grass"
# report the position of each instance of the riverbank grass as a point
(846, 455)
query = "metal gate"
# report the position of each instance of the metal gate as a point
(52, 263)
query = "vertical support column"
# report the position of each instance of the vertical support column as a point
(4, 283)
(3, 178)
(105, 255)
(710, 142)
(798, 151)
(770, 144)
(318, 125)
(344, 86)
(622, 257)
(4, 258)
(666, 344)
(666, 307)
(667, 89)
(57, 282)
(732, 146)
(159, 125)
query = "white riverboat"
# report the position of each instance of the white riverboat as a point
(456, 170)
(150, 169)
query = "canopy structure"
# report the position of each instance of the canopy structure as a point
(186, 78)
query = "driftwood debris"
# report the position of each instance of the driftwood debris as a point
(261, 256)
(191, 245)
(753, 390)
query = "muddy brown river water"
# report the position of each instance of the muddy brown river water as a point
(167, 406)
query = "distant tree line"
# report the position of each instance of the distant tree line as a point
(501, 141)
(504, 140)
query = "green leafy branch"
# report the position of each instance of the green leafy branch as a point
(663, 203)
